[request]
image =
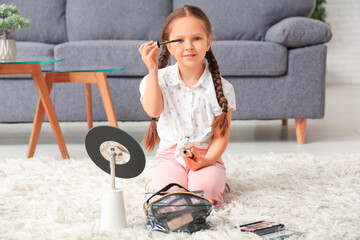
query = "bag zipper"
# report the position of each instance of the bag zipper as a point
(182, 192)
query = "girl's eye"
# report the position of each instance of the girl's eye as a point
(180, 40)
(197, 38)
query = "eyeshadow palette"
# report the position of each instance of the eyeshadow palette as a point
(262, 227)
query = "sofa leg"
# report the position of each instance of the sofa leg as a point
(284, 122)
(300, 125)
(89, 105)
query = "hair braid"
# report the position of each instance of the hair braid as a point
(220, 122)
(151, 136)
(164, 57)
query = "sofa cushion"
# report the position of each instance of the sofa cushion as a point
(18, 100)
(103, 53)
(247, 19)
(33, 51)
(250, 58)
(124, 93)
(116, 19)
(299, 32)
(47, 18)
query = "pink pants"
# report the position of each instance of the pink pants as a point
(167, 169)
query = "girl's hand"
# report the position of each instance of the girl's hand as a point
(148, 53)
(197, 162)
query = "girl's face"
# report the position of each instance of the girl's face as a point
(190, 52)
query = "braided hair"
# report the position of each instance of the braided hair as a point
(221, 122)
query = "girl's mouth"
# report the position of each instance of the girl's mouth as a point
(190, 55)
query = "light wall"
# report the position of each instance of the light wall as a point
(343, 59)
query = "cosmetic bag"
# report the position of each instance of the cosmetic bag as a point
(180, 211)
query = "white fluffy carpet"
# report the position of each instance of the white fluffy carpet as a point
(47, 198)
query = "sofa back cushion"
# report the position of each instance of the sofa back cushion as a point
(250, 58)
(247, 19)
(47, 18)
(116, 19)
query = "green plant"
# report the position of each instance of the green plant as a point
(319, 11)
(10, 20)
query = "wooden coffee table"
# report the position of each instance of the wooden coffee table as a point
(81, 74)
(32, 66)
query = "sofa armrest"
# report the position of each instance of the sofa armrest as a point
(298, 32)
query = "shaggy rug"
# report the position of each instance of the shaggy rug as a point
(47, 198)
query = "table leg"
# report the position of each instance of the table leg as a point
(89, 105)
(50, 111)
(38, 119)
(106, 98)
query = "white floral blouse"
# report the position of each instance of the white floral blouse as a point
(188, 112)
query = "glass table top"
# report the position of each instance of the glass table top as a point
(60, 69)
(68, 69)
(30, 60)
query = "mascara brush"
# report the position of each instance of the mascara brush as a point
(172, 41)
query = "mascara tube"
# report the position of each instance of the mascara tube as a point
(188, 154)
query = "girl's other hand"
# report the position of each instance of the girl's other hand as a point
(197, 162)
(148, 53)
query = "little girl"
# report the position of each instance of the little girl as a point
(193, 103)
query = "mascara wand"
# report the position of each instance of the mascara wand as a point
(172, 41)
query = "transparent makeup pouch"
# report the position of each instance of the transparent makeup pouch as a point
(180, 211)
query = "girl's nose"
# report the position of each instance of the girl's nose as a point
(188, 45)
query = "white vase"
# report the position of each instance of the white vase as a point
(7, 49)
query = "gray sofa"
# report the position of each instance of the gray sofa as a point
(272, 53)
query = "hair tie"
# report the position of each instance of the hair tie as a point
(154, 119)
(224, 110)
